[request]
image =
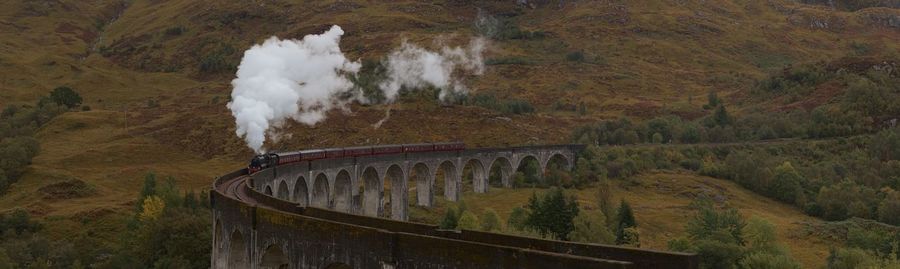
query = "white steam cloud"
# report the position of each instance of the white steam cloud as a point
(303, 79)
(414, 67)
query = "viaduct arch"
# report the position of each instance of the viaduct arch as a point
(381, 185)
(351, 212)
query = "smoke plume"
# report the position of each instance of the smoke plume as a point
(414, 67)
(303, 79)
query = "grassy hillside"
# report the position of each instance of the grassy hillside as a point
(661, 204)
(156, 76)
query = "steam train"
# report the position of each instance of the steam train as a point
(267, 160)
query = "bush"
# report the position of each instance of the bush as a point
(575, 56)
(490, 101)
(517, 219)
(490, 221)
(590, 227)
(851, 258)
(65, 96)
(508, 60)
(468, 221)
(367, 80)
(175, 31)
(218, 60)
(762, 260)
(690, 164)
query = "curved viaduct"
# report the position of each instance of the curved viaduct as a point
(331, 213)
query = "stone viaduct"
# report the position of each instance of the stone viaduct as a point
(380, 185)
(331, 213)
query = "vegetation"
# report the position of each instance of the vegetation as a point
(724, 239)
(540, 34)
(65, 96)
(18, 125)
(552, 214)
(170, 229)
(866, 248)
(219, 59)
(490, 101)
(368, 79)
(626, 230)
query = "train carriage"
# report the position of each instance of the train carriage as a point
(418, 147)
(358, 151)
(334, 153)
(387, 149)
(263, 161)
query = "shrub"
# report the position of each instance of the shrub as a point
(490, 221)
(590, 227)
(690, 164)
(712, 100)
(517, 219)
(468, 221)
(65, 96)
(175, 31)
(575, 56)
(508, 61)
(218, 60)
(490, 101)
(851, 258)
(762, 260)
(367, 80)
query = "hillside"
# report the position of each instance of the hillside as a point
(661, 204)
(156, 76)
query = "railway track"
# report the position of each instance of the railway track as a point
(237, 188)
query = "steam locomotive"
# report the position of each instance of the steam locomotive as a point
(267, 160)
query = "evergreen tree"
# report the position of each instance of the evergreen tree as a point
(626, 220)
(450, 220)
(148, 189)
(190, 200)
(712, 99)
(605, 201)
(552, 214)
(721, 116)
